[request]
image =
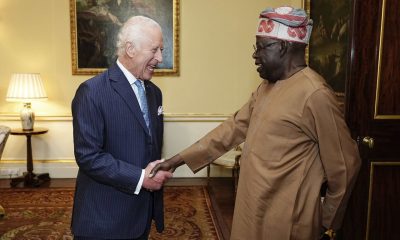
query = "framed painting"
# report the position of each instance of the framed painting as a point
(95, 25)
(328, 47)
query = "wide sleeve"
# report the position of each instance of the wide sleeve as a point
(220, 140)
(338, 153)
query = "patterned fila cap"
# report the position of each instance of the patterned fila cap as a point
(285, 23)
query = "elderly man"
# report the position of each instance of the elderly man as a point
(295, 140)
(118, 134)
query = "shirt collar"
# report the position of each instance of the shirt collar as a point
(128, 75)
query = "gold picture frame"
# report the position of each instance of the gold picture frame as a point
(95, 24)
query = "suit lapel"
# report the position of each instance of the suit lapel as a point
(121, 85)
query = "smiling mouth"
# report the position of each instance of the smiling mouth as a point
(151, 68)
(259, 66)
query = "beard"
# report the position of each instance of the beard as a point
(271, 75)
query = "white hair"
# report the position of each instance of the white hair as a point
(133, 31)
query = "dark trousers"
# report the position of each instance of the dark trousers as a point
(145, 236)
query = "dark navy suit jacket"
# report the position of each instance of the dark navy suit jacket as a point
(112, 145)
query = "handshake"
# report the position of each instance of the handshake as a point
(157, 173)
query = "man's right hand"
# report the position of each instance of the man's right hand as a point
(167, 165)
(155, 182)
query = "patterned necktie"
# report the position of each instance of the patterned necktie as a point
(143, 101)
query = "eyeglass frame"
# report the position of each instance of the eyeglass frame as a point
(256, 49)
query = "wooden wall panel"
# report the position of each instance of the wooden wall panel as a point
(388, 79)
(384, 211)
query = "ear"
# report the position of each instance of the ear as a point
(130, 49)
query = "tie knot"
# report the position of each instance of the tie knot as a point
(138, 84)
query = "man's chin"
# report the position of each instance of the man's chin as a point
(263, 76)
(147, 76)
(268, 79)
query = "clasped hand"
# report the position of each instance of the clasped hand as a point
(162, 166)
(167, 165)
(155, 181)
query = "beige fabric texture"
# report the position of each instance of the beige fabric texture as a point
(295, 139)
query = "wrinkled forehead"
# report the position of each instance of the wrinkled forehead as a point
(152, 35)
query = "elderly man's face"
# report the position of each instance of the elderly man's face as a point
(148, 54)
(267, 56)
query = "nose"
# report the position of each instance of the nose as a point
(254, 55)
(158, 55)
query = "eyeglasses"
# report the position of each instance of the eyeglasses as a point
(256, 49)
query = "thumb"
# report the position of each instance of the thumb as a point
(151, 174)
(153, 171)
(158, 161)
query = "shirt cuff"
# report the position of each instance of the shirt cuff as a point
(140, 183)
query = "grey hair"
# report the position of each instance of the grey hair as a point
(133, 31)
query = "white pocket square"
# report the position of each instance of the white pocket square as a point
(160, 110)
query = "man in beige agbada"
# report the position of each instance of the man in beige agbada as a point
(295, 140)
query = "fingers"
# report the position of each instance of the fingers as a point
(155, 169)
(156, 162)
(155, 175)
(158, 180)
(162, 176)
(151, 166)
